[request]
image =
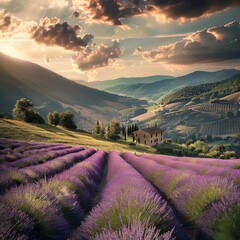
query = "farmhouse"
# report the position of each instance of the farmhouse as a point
(148, 136)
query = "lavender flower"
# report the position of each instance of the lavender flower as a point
(127, 197)
(15, 224)
(221, 220)
(136, 230)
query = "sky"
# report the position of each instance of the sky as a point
(95, 40)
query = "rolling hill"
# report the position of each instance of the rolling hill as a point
(120, 83)
(234, 98)
(13, 129)
(207, 91)
(160, 89)
(50, 91)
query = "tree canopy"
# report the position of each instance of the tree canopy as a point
(24, 110)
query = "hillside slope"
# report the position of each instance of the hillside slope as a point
(123, 82)
(45, 133)
(234, 98)
(207, 91)
(159, 89)
(50, 91)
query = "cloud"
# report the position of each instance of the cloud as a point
(185, 9)
(76, 14)
(8, 23)
(57, 3)
(102, 56)
(110, 11)
(137, 51)
(214, 44)
(114, 11)
(53, 33)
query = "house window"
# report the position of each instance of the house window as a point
(156, 140)
(144, 136)
(151, 135)
(145, 142)
(156, 134)
(151, 141)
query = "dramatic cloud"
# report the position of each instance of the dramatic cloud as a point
(102, 56)
(53, 33)
(137, 51)
(110, 11)
(113, 11)
(8, 23)
(214, 44)
(185, 9)
(76, 14)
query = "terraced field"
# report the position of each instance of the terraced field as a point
(221, 127)
(54, 191)
(217, 107)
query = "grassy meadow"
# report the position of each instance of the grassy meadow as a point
(45, 133)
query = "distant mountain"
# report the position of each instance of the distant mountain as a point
(50, 91)
(206, 92)
(160, 89)
(120, 83)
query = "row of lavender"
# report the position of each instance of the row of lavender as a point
(130, 208)
(204, 193)
(65, 191)
(40, 165)
(52, 207)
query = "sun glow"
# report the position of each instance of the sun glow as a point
(11, 51)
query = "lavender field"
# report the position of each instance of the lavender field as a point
(55, 191)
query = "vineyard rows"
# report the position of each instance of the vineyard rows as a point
(217, 107)
(53, 191)
(221, 127)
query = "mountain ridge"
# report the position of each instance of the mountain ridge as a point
(159, 89)
(52, 92)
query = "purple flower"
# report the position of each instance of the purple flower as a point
(126, 198)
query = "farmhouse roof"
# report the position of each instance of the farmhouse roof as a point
(152, 130)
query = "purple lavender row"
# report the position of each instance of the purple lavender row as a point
(201, 169)
(10, 154)
(50, 209)
(57, 165)
(190, 193)
(210, 170)
(128, 202)
(48, 169)
(84, 177)
(234, 163)
(42, 157)
(49, 148)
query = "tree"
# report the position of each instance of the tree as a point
(201, 146)
(102, 130)
(50, 118)
(96, 128)
(67, 120)
(189, 142)
(114, 130)
(124, 132)
(56, 118)
(53, 118)
(24, 110)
